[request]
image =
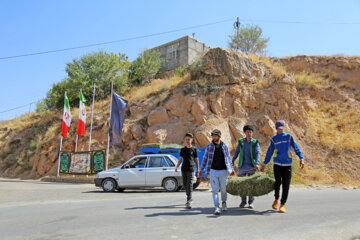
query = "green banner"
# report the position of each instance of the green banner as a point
(65, 159)
(98, 161)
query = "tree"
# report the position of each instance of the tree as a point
(249, 39)
(145, 67)
(100, 68)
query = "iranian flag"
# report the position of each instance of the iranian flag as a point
(66, 118)
(82, 115)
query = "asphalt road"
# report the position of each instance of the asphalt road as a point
(37, 210)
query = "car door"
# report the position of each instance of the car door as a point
(155, 171)
(132, 173)
(170, 171)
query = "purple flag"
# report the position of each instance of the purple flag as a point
(118, 109)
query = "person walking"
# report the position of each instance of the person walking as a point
(248, 151)
(281, 145)
(217, 163)
(188, 157)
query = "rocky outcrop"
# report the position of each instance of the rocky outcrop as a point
(222, 93)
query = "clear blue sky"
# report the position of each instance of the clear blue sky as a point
(33, 26)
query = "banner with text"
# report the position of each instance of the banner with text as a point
(82, 162)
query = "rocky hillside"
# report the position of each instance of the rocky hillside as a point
(318, 97)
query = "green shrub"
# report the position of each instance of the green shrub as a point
(197, 64)
(145, 67)
(181, 71)
(100, 68)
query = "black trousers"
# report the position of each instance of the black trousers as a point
(282, 177)
(188, 183)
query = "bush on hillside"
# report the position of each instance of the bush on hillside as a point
(100, 68)
(145, 67)
(181, 71)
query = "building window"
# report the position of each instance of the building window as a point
(171, 53)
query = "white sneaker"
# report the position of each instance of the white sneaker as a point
(251, 206)
(224, 208)
(217, 211)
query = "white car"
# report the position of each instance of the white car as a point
(151, 170)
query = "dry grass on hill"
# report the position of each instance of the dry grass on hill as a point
(337, 125)
(156, 86)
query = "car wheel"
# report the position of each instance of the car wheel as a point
(195, 185)
(109, 185)
(170, 184)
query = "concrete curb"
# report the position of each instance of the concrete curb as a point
(62, 179)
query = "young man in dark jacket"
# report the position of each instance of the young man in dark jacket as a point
(248, 150)
(280, 144)
(188, 156)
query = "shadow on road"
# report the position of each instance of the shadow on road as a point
(205, 211)
(157, 207)
(140, 190)
(128, 191)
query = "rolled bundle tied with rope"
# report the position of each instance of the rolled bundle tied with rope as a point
(258, 184)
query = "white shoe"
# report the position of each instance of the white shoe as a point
(224, 208)
(217, 211)
(251, 206)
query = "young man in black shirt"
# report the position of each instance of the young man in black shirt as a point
(188, 156)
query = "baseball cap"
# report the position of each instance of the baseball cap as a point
(216, 132)
(280, 124)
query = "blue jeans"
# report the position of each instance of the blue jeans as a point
(218, 180)
(244, 174)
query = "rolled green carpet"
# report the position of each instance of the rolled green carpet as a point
(256, 185)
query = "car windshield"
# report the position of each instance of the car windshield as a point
(174, 159)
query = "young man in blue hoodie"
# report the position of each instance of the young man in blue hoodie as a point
(248, 150)
(280, 144)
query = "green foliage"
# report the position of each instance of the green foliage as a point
(145, 67)
(100, 68)
(249, 39)
(197, 64)
(40, 106)
(23, 161)
(181, 71)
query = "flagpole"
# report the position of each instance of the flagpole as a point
(92, 114)
(108, 140)
(76, 143)
(77, 136)
(61, 138)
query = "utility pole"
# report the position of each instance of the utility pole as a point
(237, 28)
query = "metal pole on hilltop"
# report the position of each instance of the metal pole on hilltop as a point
(92, 114)
(108, 140)
(61, 138)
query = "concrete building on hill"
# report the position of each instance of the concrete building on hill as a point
(180, 52)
